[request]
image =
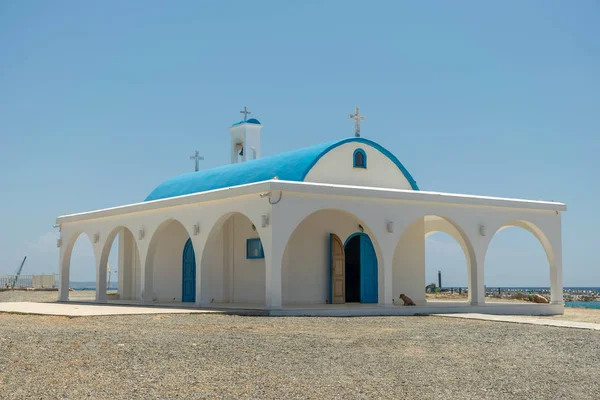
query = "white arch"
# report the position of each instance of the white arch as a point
(409, 255)
(555, 275)
(313, 231)
(223, 261)
(65, 263)
(147, 292)
(127, 280)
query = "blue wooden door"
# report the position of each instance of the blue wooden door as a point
(188, 289)
(368, 271)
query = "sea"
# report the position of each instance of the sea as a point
(584, 304)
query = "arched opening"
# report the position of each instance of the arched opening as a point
(361, 269)
(120, 260)
(165, 264)
(78, 269)
(423, 250)
(331, 257)
(233, 262)
(517, 264)
(446, 268)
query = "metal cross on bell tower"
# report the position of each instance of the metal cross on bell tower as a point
(357, 118)
(245, 112)
(197, 158)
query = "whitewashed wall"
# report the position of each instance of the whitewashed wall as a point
(228, 275)
(248, 274)
(168, 263)
(305, 268)
(409, 264)
(337, 166)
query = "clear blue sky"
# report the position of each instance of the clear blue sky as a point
(101, 101)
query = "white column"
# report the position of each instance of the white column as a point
(147, 283)
(100, 280)
(121, 265)
(476, 275)
(199, 242)
(145, 276)
(556, 273)
(126, 264)
(386, 282)
(64, 263)
(274, 245)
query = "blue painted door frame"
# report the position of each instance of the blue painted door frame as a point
(368, 269)
(188, 286)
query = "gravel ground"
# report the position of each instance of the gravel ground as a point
(221, 356)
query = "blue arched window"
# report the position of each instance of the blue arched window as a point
(360, 159)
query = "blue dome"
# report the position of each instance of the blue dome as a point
(248, 121)
(289, 166)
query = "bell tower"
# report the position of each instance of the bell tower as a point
(245, 139)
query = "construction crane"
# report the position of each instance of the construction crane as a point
(14, 282)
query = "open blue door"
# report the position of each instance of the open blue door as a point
(368, 271)
(188, 288)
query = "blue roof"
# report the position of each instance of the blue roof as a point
(248, 121)
(289, 166)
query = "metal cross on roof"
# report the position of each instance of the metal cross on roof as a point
(357, 118)
(197, 158)
(245, 112)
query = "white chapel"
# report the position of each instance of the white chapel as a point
(337, 228)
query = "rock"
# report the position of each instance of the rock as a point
(540, 299)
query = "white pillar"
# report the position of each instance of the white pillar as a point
(147, 283)
(64, 263)
(274, 245)
(145, 276)
(121, 265)
(199, 242)
(476, 275)
(127, 249)
(386, 281)
(556, 273)
(100, 280)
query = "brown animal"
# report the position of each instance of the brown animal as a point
(407, 300)
(539, 299)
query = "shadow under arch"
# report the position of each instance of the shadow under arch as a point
(65, 267)
(306, 274)
(541, 237)
(409, 265)
(233, 262)
(162, 276)
(130, 270)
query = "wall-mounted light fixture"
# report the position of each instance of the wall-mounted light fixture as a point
(264, 220)
(96, 237)
(360, 228)
(196, 229)
(253, 227)
(390, 226)
(141, 234)
(58, 242)
(482, 230)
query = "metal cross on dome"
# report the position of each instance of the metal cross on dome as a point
(197, 158)
(357, 118)
(245, 112)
